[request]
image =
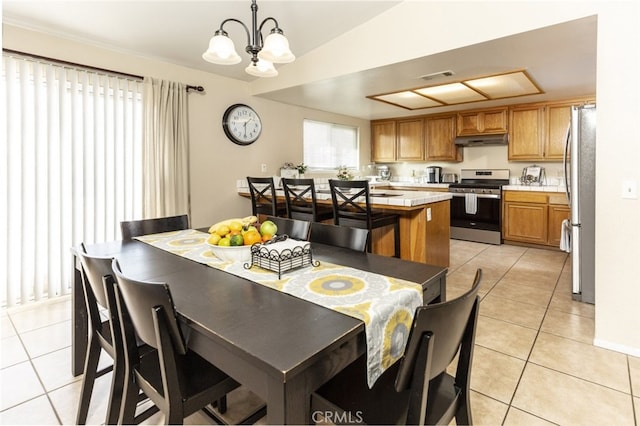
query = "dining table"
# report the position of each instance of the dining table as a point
(280, 347)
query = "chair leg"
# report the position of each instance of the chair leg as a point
(396, 240)
(129, 402)
(463, 413)
(90, 373)
(117, 390)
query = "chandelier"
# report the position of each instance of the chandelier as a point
(264, 53)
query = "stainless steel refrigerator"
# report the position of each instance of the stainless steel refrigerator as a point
(579, 171)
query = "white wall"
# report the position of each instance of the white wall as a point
(216, 162)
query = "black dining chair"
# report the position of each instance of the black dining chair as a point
(104, 334)
(301, 201)
(339, 236)
(263, 197)
(417, 390)
(177, 380)
(135, 228)
(352, 207)
(294, 228)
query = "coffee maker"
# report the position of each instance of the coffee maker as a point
(433, 174)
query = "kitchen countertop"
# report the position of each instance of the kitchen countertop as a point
(543, 188)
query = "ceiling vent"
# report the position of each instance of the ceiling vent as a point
(438, 74)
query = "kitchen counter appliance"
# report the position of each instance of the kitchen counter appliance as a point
(433, 174)
(384, 173)
(579, 164)
(476, 206)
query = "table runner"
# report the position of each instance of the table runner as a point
(386, 305)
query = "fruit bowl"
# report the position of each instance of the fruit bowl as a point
(232, 253)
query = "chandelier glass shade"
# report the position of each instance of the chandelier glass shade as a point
(264, 53)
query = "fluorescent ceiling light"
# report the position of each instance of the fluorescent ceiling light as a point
(500, 86)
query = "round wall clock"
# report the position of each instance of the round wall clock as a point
(241, 124)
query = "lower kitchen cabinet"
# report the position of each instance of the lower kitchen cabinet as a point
(534, 217)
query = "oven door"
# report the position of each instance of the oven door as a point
(488, 216)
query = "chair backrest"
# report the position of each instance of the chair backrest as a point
(300, 196)
(339, 236)
(294, 228)
(263, 195)
(347, 197)
(135, 228)
(142, 300)
(99, 293)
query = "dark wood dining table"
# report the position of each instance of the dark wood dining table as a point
(280, 347)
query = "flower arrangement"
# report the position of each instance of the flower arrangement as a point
(302, 168)
(344, 173)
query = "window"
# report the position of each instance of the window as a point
(70, 170)
(329, 146)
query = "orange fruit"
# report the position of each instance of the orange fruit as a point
(252, 237)
(266, 237)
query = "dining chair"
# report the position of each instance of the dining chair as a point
(301, 201)
(416, 390)
(263, 197)
(294, 228)
(348, 198)
(177, 380)
(135, 228)
(339, 236)
(104, 335)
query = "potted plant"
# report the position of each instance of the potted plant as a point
(302, 168)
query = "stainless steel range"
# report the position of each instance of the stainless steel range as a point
(476, 206)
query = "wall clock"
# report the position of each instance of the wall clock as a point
(241, 124)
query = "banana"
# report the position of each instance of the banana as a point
(226, 222)
(246, 221)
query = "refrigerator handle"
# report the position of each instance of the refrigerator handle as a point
(565, 164)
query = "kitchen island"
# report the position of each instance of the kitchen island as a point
(424, 223)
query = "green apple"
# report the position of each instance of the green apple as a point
(268, 228)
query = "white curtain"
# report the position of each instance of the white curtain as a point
(166, 149)
(70, 170)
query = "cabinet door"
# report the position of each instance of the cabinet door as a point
(525, 131)
(469, 123)
(410, 140)
(495, 121)
(525, 222)
(383, 141)
(440, 134)
(558, 120)
(556, 215)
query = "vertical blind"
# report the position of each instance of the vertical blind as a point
(70, 170)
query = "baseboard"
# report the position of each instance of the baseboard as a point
(617, 347)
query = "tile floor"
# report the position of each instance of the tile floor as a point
(533, 363)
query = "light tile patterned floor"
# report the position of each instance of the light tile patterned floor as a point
(533, 364)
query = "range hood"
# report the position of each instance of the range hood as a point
(482, 140)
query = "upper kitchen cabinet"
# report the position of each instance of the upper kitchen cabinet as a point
(440, 133)
(537, 132)
(383, 141)
(482, 122)
(397, 140)
(410, 140)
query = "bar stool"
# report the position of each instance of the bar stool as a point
(300, 197)
(347, 198)
(263, 197)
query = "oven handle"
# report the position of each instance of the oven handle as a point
(462, 194)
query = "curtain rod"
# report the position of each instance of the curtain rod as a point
(89, 67)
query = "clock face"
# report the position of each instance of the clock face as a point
(241, 124)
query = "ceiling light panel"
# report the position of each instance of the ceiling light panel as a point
(408, 100)
(505, 85)
(454, 93)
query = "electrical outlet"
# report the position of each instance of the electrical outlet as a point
(630, 189)
(263, 168)
(428, 214)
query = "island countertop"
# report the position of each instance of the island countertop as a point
(424, 222)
